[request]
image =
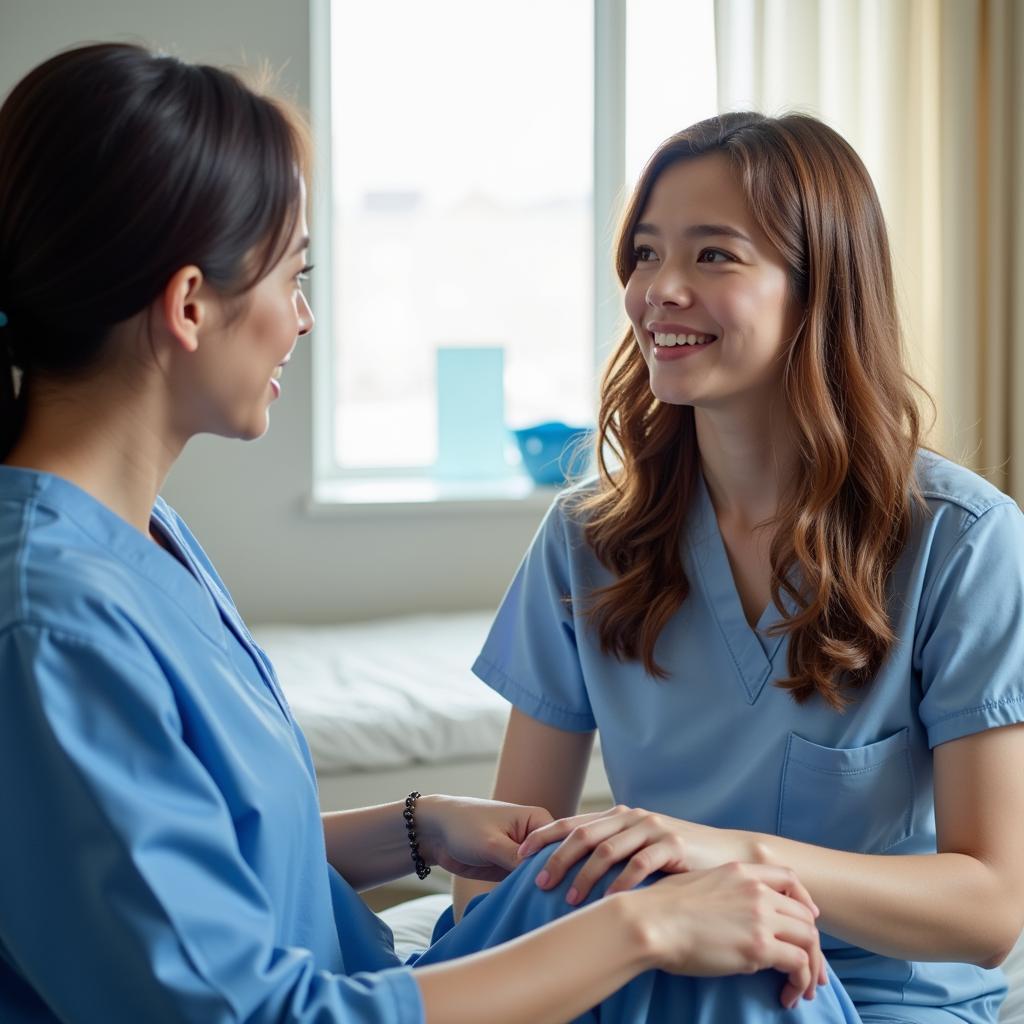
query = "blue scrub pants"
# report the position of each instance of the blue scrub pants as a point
(517, 906)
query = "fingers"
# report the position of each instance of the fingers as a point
(787, 906)
(803, 937)
(783, 880)
(611, 837)
(551, 832)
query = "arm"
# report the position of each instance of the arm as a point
(963, 903)
(538, 765)
(471, 838)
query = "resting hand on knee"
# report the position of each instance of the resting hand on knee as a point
(736, 919)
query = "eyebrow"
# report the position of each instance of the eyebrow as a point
(697, 231)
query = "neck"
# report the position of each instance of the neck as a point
(748, 459)
(112, 443)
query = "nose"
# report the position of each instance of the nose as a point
(306, 318)
(670, 287)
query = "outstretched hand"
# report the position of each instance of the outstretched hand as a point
(474, 838)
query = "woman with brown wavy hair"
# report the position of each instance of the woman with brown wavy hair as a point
(797, 632)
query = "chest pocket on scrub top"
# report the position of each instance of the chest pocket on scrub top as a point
(860, 799)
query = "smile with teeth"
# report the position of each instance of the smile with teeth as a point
(668, 340)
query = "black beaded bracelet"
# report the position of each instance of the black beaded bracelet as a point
(422, 869)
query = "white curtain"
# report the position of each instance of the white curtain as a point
(931, 94)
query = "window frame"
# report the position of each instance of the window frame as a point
(374, 489)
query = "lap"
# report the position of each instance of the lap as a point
(517, 906)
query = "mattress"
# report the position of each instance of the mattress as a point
(390, 692)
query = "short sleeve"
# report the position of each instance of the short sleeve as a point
(530, 656)
(126, 895)
(969, 645)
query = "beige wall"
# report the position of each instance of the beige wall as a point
(247, 502)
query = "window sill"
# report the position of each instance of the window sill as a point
(415, 496)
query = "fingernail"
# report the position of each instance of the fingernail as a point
(572, 896)
(543, 878)
(522, 851)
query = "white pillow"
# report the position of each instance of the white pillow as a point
(413, 922)
(1013, 1008)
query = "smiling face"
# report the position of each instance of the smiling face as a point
(709, 298)
(240, 366)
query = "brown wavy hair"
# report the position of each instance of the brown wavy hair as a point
(845, 517)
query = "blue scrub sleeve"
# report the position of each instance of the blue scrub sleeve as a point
(530, 656)
(125, 895)
(970, 637)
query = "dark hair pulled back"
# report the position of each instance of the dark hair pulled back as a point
(118, 167)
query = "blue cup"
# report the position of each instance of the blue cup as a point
(553, 452)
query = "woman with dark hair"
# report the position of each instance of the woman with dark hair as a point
(799, 635)
(163, 855)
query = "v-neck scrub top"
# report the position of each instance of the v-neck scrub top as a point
(717, 743)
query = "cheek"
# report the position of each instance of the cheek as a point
(758, 308)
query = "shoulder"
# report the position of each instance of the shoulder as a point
(960, 503)
(965, 521)
(947, 485)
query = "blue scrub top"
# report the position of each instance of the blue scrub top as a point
(163, 854)
(717, 743)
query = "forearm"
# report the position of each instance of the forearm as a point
(946, 906)
(369, 846)
(514, 984)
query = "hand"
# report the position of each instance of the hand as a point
(735, 919)
(650, 842)
(474, 838)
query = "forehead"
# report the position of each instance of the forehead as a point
(702, 190)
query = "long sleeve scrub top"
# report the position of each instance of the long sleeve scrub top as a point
(717, 743)
(162, 851)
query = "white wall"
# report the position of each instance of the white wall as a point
(246, 502)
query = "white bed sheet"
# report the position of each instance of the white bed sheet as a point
(390, 692)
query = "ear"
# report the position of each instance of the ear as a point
(185, 306)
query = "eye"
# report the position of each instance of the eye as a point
(644, 254)
(725, 257)
(303, 274)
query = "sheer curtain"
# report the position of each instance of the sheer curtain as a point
(931, 94)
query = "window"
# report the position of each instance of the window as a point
(462, 203)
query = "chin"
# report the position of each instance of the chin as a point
(671, 395)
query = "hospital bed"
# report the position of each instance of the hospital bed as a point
(391, 705)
